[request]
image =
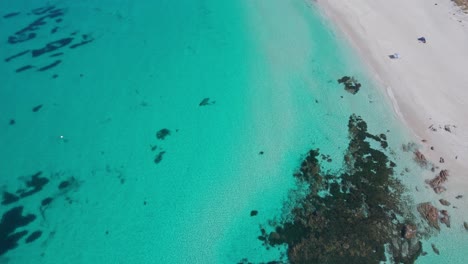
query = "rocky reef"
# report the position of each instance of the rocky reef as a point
(351, 85)
(356, 215)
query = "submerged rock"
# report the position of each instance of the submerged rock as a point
(430, 213)
(409, 231)
(436, 182)
(358, 220)
(435, 249)
(444, 202)
(445, 218)
(351, 84)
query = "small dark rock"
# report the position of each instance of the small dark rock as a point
(444, 202)
(458, 196)
(253, 213)
(465, 224)
(12, 122)
(261, 153)
(408, 231)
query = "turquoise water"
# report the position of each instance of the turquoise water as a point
(268, 69)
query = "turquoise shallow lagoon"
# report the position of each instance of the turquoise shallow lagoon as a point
(243, 89)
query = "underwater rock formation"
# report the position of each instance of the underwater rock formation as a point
(436, 182)
(444, 202)
(351, 85)
(430, 213)
(354, 216)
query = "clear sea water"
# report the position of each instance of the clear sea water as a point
(269, 71)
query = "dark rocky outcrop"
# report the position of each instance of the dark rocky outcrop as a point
(436, 182)
(444, 202)
(351, 85)
(353, 219)
(409, 231)
(430, 213)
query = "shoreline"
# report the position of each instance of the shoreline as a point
(413, 82)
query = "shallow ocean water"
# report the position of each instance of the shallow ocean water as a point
(269, 71)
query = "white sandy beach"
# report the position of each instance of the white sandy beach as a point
(428, 84)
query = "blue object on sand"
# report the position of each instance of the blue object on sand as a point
(422, 39)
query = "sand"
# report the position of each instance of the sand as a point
(428, 84)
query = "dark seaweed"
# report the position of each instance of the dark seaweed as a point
(357, 219)
(163, 133)
(52, 65)
(54, 30)
(51, 46)
(11, 220)
(27, 67)
(350, 83)
(81, 43)
(37, 108)
(9, 198)
(21, 38)
(35, 184)
(46, 201)
(159, 157)
(42, 10)
(206, 101)
(63, 185)
(17, 55)
(12, 122)
(56, 54)
(12, 14)
(33, 236)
